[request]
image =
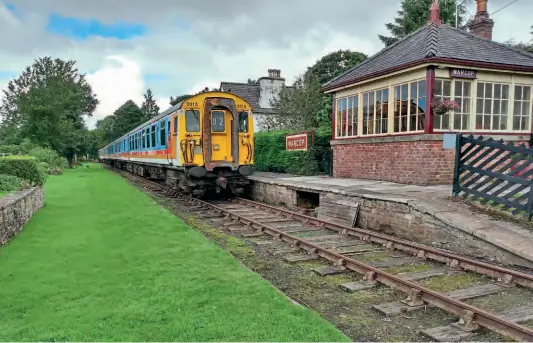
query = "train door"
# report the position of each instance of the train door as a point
(221, 124)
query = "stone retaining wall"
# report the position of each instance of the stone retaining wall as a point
(16, 209)
(400, 220)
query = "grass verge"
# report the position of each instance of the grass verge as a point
(102, 262)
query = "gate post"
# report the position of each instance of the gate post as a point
(457, 166)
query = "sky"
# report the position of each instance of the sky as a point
(181, 46)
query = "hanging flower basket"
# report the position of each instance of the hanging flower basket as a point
(441, 107)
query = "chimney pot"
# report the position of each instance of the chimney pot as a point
(274, 73)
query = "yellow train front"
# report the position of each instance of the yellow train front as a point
(203, 143)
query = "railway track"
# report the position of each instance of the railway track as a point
(299, 238)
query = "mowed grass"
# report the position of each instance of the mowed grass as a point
(102, 262)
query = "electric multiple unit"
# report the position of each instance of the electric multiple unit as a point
(203, 143)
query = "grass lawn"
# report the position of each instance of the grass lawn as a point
(2, 193)
(102, 262)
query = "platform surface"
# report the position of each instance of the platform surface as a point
(433, 200)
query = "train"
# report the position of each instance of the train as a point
(201, 145)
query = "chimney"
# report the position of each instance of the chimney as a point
(482, 25)
(434, 13)
(274, 73)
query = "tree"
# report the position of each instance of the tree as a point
(149, 106)
(414, 14)
(106, 130)
(127, 117)
(250, 81)
(47, 103)
(526, 46)
(297, 106)
(178, 99)
(335, 63)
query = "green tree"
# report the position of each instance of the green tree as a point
(414, 14)
(297, 106)
(149, 106)
(526, 46)
(127, 117)
(106, 130)
(47, 104)
(178, 99)
(335, 63)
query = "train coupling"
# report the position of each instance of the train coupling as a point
(221, 183)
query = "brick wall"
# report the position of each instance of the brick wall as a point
(410, 162)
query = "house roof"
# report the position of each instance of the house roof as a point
(432, 43)
(248, 91)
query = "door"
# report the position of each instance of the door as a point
(221, 136)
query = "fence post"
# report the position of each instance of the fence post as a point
(457, 166)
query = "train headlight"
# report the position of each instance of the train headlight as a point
(216, 147)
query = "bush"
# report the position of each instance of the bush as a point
(10, 183)
(54, 163)
(24, 167)
(270, 154)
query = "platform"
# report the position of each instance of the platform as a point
(411, 212)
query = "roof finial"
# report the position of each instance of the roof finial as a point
(434, 13)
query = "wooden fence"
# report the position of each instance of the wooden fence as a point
(496, 173)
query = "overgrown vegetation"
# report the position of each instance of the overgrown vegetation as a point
(271, 155)
(10, 183)
(24, 167)
(85, 269)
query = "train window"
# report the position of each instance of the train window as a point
(144, 139)
(176, 124)
(192, 120)
(243, 121)
(162, 133)
(153, 137)
(168, 127)
(218, 123)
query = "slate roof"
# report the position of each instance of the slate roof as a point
(248, 91)
(435, 43)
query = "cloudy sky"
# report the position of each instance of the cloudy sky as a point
(181, 46)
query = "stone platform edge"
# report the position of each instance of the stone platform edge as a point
(16, 209)
(497, 233)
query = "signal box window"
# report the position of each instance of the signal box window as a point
(192, 120)
(217, 121)
(243, 121)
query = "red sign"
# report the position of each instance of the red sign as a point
(296, 142)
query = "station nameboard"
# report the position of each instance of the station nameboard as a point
(297, 142)
(462, 73)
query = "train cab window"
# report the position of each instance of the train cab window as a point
(218, 124)
(243, 121)
(192, 120)
(153, 137)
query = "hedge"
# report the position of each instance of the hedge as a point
(10, 183)
(270, 154)
(24, 167)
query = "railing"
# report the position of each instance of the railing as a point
(495, 173)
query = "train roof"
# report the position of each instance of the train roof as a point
(163, 114)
